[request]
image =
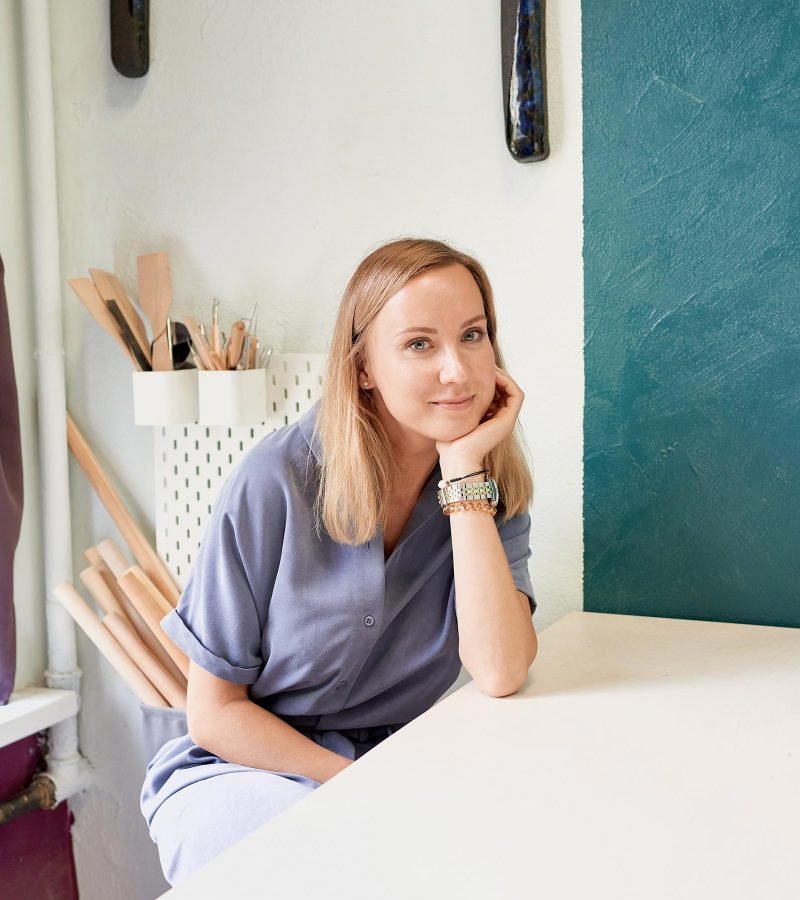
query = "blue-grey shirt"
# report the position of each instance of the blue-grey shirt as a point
(326, 635)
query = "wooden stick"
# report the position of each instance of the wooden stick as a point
(101, 593)
(140, 626)
(157, 597)
(149, 610)
(129, 641)
(79, 609)
(107, 575)
(112, 557)
(143, 553)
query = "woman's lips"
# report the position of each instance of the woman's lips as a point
(455, 406)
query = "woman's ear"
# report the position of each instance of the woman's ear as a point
(364, 380)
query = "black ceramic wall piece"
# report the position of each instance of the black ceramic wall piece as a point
(130, 43)
(524, 99)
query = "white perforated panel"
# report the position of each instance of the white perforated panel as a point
(192, 461)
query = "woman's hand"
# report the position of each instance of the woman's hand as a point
(498, 422)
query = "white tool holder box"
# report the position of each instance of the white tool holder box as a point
(193, 460)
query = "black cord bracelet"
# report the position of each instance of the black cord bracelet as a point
(462, 477)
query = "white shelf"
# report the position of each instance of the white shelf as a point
(32, 710)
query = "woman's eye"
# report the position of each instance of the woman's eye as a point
(413, 344)
(478, 332)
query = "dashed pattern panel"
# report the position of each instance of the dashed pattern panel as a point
(192, 461)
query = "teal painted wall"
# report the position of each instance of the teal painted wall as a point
(692, 315)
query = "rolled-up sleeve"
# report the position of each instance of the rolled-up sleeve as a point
(515, 533)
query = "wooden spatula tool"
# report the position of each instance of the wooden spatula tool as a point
(155, 298)
(110, 288)
(87, 294)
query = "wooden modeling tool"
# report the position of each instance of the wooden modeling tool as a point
(87, 294)
(110, 288)
(155, 298)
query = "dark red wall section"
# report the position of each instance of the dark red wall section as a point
(36, 860)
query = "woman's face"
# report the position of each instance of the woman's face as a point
(429, 346)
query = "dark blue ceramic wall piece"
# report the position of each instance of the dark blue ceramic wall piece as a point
(522, 34)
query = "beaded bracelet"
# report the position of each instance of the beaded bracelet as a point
(462, 505)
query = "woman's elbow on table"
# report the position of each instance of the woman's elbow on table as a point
(505, 687)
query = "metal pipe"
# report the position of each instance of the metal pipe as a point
(68, 770)
(40, 794)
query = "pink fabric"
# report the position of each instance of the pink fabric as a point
(10, 498)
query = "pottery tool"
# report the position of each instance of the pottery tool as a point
(181, 344)
(127, 638)
(149, 610)
(242, 364)
(107, 644)
(142, 359)
(215, 344)
(87, 294)
(219, 362)
(142, 552)
(155, 298)
(200, 345)
(235, 344)
(264, 356)
(252, 352)
(110, 288)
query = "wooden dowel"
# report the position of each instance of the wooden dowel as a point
(107, 575)
(141, 627)
(142, 552)
(157, 597)
(80, 611)
(149, 610)
(101, 593)
(130, 642)
(112, 557)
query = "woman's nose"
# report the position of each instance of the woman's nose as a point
(452, 367)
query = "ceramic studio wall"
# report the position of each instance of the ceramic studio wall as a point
(692, 320)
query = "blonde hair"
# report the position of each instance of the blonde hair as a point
(357, 474)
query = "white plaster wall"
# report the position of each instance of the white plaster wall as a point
(269, 147)
(14, 248)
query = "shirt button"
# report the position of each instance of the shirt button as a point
(369, 621)
(340, 685)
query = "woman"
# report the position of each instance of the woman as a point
(332, 601)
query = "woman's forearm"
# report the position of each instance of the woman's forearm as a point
(497, 640)
(244, 733)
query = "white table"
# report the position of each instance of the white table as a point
(645, 758)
